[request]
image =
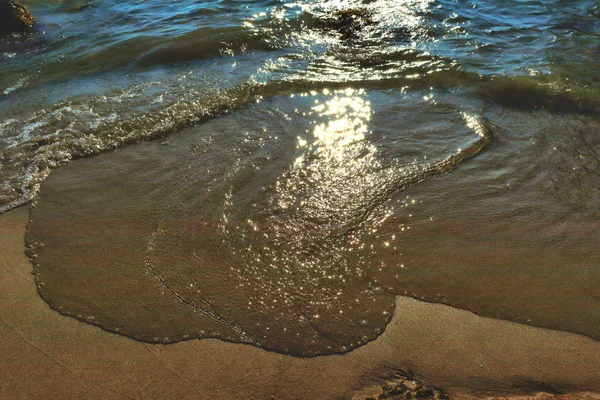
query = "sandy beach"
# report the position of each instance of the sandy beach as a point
(51, 356)
(308, 199)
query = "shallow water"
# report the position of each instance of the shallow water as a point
(308, 164)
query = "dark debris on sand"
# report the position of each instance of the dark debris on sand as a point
(405, 388)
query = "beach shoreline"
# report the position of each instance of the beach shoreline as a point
(48, 355)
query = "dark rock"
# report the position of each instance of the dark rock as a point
(14, 17)
(352, 15)
(348, 22)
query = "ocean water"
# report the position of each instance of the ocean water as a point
(275, 173)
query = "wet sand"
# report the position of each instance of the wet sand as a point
(51, 356)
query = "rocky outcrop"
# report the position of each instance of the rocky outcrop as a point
(14, 17)
(348, 22)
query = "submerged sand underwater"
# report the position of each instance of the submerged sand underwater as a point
(47, 355)
(293, 223)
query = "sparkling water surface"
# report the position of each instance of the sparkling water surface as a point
(275, 173)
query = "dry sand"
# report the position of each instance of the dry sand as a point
(45, 355)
